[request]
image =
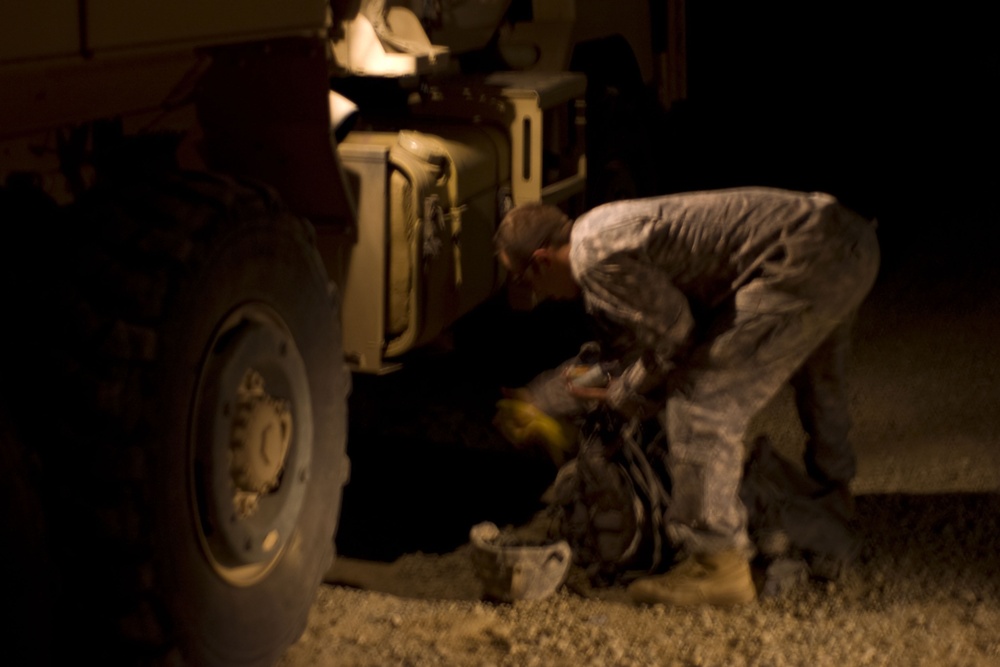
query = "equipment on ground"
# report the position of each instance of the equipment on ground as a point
(611, 504)
(514, 569)
(611, 497)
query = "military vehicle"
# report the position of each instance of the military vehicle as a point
(213, 214)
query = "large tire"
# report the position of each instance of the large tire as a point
(28, 589)
(207, 427)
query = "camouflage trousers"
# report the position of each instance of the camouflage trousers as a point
(789, 323)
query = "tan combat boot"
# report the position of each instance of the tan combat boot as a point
(717, 579)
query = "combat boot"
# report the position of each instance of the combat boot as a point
(718, 579)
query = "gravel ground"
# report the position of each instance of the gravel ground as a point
(926, 589)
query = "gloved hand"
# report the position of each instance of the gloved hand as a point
(525, 425)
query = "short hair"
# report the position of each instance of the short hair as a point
(528, 227)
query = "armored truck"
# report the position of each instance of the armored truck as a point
(213, 215)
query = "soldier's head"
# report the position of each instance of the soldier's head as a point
(532, 243)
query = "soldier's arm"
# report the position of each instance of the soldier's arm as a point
(641, 297)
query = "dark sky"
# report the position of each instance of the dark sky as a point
(893, 110)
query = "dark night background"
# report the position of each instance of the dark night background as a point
(890, 106)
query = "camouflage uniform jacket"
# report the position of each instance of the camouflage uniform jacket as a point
(648, 266)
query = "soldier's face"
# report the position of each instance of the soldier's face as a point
(547, 274)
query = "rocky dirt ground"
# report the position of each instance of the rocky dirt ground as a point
(925, 591)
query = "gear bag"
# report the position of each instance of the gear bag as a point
(610, 501)
(610, 504)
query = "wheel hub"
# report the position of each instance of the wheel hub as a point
(252, 444)
(261, 434)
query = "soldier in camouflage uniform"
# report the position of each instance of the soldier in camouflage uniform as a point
(724, 296)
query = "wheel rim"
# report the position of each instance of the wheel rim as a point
(251, 444)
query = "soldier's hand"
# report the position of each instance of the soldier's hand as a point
(588, 383)
(599, 394)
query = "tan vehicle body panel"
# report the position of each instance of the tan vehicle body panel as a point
(68, 61)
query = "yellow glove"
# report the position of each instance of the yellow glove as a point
(523, 425)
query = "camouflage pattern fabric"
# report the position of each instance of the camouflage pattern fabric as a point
(724, 297)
